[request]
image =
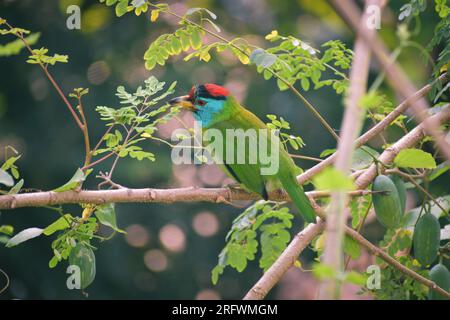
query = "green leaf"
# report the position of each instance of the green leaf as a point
(363, 157)
(196, 39)
(440, 169)
(53, 262)
(6, 179)
(414, 158)
(73, 183)
(106, 215)
(6, 229)
(23, 236)
(355, 278)
(332, 179)
(17, 187)
(323, 272)
(121, 8)
(61, 224)
(305, 84)
(352, 248)
(10, 163)
(262, 58)
(274, 239)
(327, 152)
(215, 273)
(14, 47)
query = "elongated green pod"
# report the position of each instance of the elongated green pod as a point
(386, 202)
(401, 189)
(83, 257)
(426, 239)
(440, 275)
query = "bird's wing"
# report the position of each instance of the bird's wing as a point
(248, 174)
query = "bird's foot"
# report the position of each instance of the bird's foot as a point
(232, 185)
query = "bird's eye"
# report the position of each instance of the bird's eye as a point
(200, 103)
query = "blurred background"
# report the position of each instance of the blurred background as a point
(169, 250)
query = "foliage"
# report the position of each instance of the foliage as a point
(266, 218)
(394, 284)
(263, 230)
(295, 60)
(138, 119)
(280, 124)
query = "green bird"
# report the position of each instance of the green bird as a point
(215, 108)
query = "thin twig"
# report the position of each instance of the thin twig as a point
(310, 107)
(51, 79)
(85, 130)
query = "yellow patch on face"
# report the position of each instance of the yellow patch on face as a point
(183, 102)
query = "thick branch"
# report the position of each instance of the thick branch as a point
(351, 126)
(397, 78)
(374, 131)
(147, 195)
(285, 261)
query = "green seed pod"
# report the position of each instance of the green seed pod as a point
(386, 202)
(401, 189)
(83, 257)
(440, 275)
(426, 239)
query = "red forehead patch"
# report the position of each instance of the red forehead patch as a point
(191, 92)
(215, 90)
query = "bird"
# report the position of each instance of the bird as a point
(215, 108)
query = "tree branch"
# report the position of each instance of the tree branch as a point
(351, 126)
(374, 131)
(396, 77)
(285, 261)
(145, 195)
(271, 277)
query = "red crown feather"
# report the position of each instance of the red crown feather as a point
(215, 90)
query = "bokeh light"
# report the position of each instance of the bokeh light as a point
(205, 224)
(172, 238)
(98, 72)
(156, 260)
(137, 236)
(207, 294)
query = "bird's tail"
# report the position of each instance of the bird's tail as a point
(300, 200)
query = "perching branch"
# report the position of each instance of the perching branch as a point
(395, 75)
(282, 264)
(146, 195)
(351, 126)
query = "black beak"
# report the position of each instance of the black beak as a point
(183, 101)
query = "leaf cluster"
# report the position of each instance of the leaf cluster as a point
(272, 224)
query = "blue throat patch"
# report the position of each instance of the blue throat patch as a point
(206, 113)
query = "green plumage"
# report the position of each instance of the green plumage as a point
(234, 116)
